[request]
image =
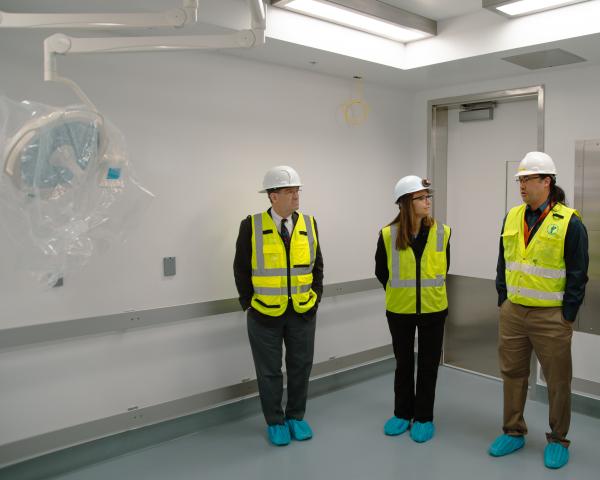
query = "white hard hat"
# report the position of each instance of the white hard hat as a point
(280, 177)
(410, 184)
(536, 163)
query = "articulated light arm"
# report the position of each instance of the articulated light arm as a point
(259, 15)
(177, 17)
(60, 44)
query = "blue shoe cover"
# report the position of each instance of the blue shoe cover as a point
(278, 435)
(422, 432)
(505, 444)
(555, 455)
(396, 426)
(299, 429)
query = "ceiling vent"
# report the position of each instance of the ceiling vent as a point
(544, 59)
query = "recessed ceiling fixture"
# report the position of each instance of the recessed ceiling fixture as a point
(370, 16)
(517, 8)
(544, 59)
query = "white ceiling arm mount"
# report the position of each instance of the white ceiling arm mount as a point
(177, 17)
(259, 15)
(60, 44)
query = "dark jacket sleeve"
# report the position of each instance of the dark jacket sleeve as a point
(576, 265)
(242, 263)
(381, 268)
(317, 283)
(501, 271)
(448, 252)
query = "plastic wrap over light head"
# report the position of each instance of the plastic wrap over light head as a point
(53, 152)
(67, 190)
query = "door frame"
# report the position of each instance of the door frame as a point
(437, 132)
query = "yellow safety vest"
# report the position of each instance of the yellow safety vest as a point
(400, 291)
(536, 274)
(270, 268)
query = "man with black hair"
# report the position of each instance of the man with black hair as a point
(541, 278)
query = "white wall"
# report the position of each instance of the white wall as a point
(572, 103)
(202, 129)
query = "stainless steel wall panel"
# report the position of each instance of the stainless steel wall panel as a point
(587, 201)
(591, 185)
(471, 339)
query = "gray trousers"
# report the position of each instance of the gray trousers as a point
(267, 336)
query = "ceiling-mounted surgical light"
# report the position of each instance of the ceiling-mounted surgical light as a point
(517, 8)
(54, 152)
(372, 16)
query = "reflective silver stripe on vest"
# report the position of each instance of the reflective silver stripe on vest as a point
(311, 240)
(440, 237)
(395, 281)
(438, 281)
(281, 291)
(404, 284)
(538, 271)
(261, 271)
(281, 272)
(258, 239)
(270, 291)
(302, 288)
(528, 292)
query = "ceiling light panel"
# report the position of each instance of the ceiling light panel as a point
(517, 8)
(370, 16)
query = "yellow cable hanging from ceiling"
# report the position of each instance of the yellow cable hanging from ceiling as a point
(356, 110)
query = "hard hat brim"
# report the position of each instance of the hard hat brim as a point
(532, 172)
(429, 189)
(264, 190)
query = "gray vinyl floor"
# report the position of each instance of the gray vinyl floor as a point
(349, 442)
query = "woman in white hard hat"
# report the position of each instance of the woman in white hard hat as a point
(412, 259)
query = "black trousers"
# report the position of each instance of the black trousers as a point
(267, 336)
(411, 403)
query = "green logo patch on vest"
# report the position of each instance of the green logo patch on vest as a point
(552, 229)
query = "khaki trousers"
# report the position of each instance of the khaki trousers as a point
(548, 334)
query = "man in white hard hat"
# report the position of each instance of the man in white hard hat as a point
(278, 271)
(541, 278)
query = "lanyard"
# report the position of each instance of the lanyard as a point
(528, 230)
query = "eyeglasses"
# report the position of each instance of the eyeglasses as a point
(423, 197)
(526, 178)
